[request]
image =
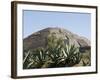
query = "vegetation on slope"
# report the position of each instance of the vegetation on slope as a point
(55, 54)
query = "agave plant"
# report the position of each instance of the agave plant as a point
(26, 59)
(39, 57)
(54, 47)
(72, 55)
(64, 54)
(55, 54)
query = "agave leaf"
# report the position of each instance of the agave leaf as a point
(26, 57)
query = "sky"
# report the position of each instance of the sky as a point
(78, 23)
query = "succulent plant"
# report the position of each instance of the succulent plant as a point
(55, 54)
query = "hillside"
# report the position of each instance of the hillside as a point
(55, 47)
(39, 39)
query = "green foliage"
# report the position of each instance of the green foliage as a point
(73, 56)
(56, 54)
